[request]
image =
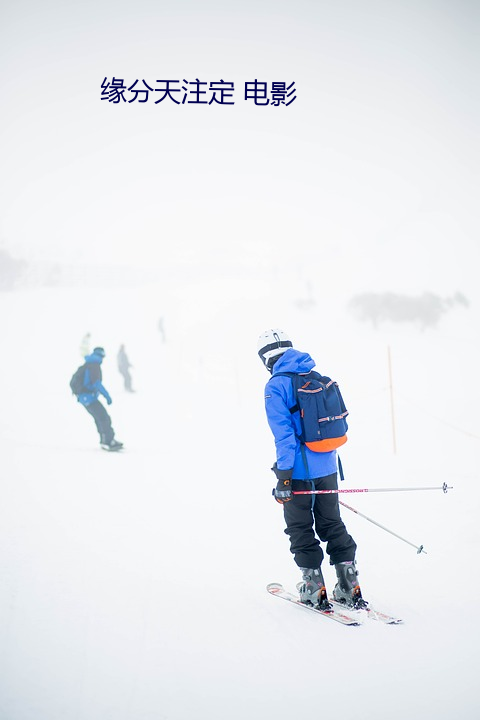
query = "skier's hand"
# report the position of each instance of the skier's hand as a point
(109, 400)
(283, 492)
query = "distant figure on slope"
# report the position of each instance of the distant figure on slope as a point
(85, 345)
(86, 384)
(124, 368)
(161, 329)
(302, 465)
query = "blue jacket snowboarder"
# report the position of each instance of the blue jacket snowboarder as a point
(309, 518)
(88, 397)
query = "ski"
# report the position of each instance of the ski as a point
(337, 614)
(371, 613)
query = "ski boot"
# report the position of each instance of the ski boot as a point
(312, 589)
(347, 590)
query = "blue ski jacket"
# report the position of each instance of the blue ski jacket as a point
(93, 381)
(285, 426)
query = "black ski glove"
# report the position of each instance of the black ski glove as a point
(283, 492)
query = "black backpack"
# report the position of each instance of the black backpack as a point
(78, 378)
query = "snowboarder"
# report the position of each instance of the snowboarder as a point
(309, 518)
(88, 397)
(123, 364)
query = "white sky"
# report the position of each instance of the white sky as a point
(375, 163)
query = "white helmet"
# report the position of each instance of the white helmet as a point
(271, 344)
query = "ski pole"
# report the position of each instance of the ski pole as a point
(419, 548)
(443, 487)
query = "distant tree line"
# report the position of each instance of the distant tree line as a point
(11, 270)
(426, 309)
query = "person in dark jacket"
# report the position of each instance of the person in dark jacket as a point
(92, 388)
(309, 518)
(124, 366)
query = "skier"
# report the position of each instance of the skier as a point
(308, 518)
(123, 364)
(88, 397)
(161, 329)
(85, 345)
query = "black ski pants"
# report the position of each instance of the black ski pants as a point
(102, 421)
(310, 517)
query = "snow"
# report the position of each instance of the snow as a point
(133, 584)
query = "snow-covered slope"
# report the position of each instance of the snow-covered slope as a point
(133, 585)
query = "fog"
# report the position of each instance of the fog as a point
(133, 585)
(373, 166)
